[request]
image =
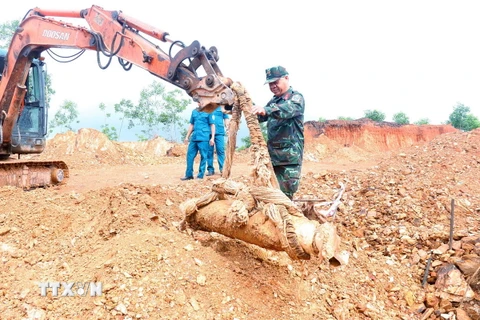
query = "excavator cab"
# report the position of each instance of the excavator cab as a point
(30, 130)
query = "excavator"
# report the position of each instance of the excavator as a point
(23, 107)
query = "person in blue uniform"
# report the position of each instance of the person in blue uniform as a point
(200, 134)
(221, 120)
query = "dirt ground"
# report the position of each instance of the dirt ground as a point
(115, 222)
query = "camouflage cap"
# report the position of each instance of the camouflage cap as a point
(275, 73)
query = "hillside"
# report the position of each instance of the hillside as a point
(116, 220)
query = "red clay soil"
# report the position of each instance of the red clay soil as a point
(116, 219)
(374, 136)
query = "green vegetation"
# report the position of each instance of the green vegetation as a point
(157, 108)
(374, 115)
(462, 119)
(7, 29)
(65, 116)
(422, 121)
(246, 142)
(109, 130)
(401, 118)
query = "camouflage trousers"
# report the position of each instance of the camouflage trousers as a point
(288, 178)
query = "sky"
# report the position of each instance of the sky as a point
(419, 57)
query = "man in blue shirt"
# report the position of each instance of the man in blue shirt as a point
(200, 134)
(221, 120)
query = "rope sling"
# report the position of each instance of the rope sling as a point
(258, 213)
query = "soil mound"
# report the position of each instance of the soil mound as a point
(90, 147)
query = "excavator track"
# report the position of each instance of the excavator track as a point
(33, 174)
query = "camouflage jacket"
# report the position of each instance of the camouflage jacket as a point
(284, 116)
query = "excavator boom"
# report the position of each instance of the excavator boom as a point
(192, 68)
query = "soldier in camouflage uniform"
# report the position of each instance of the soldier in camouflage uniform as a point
(284, 116)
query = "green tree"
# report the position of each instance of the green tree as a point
(247, 142)
(65, 116)
(322, 119)
(175, 104)
(125, 108)
(345, 118)
(109, 130)
(401, 118)
(156, 108)
(462, 119)
(471, 122)
(7, 30)
(374, 115)
(422, 121)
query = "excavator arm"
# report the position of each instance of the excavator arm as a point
(113, 34)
